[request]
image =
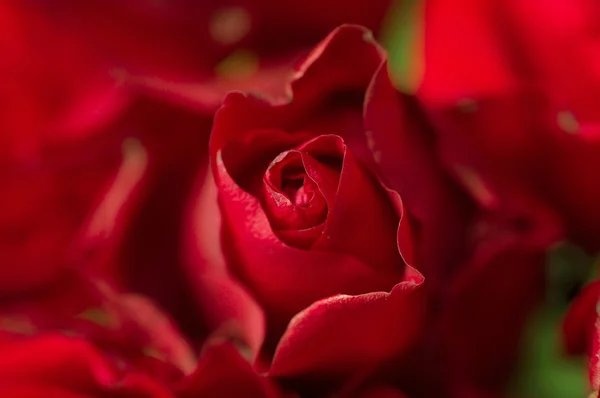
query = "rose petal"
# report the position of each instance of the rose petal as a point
(324, 339)
(228, 309)
(222, 372)
(508, 256)
(284, 211)
(69, 365)
(403, 154)
(578, 324)
(360, 195)
(273, 270)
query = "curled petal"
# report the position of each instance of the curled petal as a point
(222, 372)
(341, 333)
(579, 324)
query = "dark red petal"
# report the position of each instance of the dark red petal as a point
(69, 364)
(248, 157)
(362, 220)
(198, 39)
(284, 278)
(222, 372)
(69, 97)
(321, 164)
(226, 308)
(325, 339)
(578, 325)
(207, 94)
(404, 155)
(281, 202)
(229, 311)
(312, 82)
(346, 45)
(323, 158)
(572, 184)
(45, 205)
(133, 235)
(492, 297)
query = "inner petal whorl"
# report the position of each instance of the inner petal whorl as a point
(292, 200)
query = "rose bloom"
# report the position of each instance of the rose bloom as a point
(308, 228)
(328, 198)
(290, 216)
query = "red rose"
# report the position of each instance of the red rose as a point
(513, 102)
(308, 228)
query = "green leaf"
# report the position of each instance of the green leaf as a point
(403, 37)
(544, 370)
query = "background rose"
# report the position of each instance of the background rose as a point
(469, 256)
(81, 336)
(54, 162)
(295, 195)
(512, 100)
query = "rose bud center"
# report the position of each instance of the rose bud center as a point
(293, 200)
(298, 190)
